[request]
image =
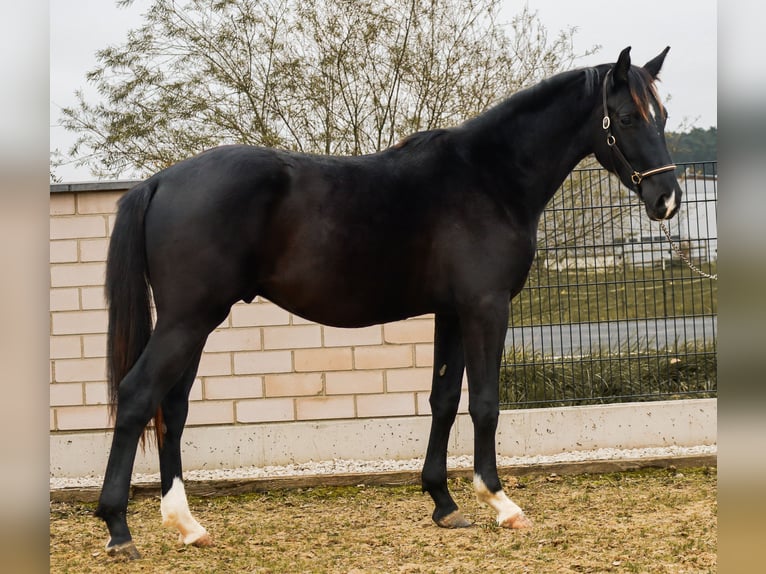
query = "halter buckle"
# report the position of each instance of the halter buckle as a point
(636, 177)
(606, 122)
(610, 141)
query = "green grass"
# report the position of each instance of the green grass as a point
(620, 293)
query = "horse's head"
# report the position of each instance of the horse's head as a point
(631, 138)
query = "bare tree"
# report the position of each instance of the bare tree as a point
(327, 76)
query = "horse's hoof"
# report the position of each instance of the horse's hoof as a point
(203, 541)
(454, 520)
(517, 522)
(126, 550)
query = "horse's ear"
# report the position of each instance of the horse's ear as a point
(654, 65)
(621, 67)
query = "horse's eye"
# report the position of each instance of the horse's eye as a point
(625, 120)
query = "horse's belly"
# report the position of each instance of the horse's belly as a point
(347, 299)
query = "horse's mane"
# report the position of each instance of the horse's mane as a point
(537, 96)
(640, 82)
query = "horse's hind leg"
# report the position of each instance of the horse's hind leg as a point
(163, 362)
(445, 396)
(174, 506)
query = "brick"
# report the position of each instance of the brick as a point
(421, 403)
(262, 362)
(265, 410)
(424, 355)
(462, 406)
(65, 347)
(83, 418)
(388, 405)
(212, 364)
(94, 249)
(292, 337)
(353, 382)
(195, 394)
(63, 394)
(77, 227)
(63, 251)
(98, 202)
(228, 339)
(258, 315)
(332, 359)
(410, 331)
(341, 407)
(210, 413)
(78, 322)
(92, 298)
(383, 357)
(233, 387)
(298, 320)
(96, 394)
(293, 384)
(334, 337)
(61, 204)
(399, 380)
(76, 275)
(67, 299)
(94, 346)
(75, 370)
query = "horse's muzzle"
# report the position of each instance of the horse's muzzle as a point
(664, 205)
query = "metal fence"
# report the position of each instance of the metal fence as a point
(610, 312)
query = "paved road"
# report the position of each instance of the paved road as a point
(580, 338)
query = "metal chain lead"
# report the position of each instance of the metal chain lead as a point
(683, 256)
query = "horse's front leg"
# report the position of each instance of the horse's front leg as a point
(484, 328)
(449, 366)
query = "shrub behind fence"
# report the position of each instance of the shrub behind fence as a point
(610, 312)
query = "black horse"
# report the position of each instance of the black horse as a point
(445, 222)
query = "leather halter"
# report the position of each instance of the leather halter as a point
(635, 176)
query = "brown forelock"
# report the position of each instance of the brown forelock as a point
(643, 91)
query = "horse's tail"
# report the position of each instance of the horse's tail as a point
(128, 295)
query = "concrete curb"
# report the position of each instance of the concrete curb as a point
(230, 487)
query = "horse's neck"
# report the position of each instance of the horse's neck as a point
(531, 149)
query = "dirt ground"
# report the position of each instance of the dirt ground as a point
(654, 521)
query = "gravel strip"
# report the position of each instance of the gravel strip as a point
(342, 466)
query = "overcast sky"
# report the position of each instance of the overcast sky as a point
(80, 27)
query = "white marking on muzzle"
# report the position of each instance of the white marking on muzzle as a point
(175, 513)
(670, 204)
(499, 501)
